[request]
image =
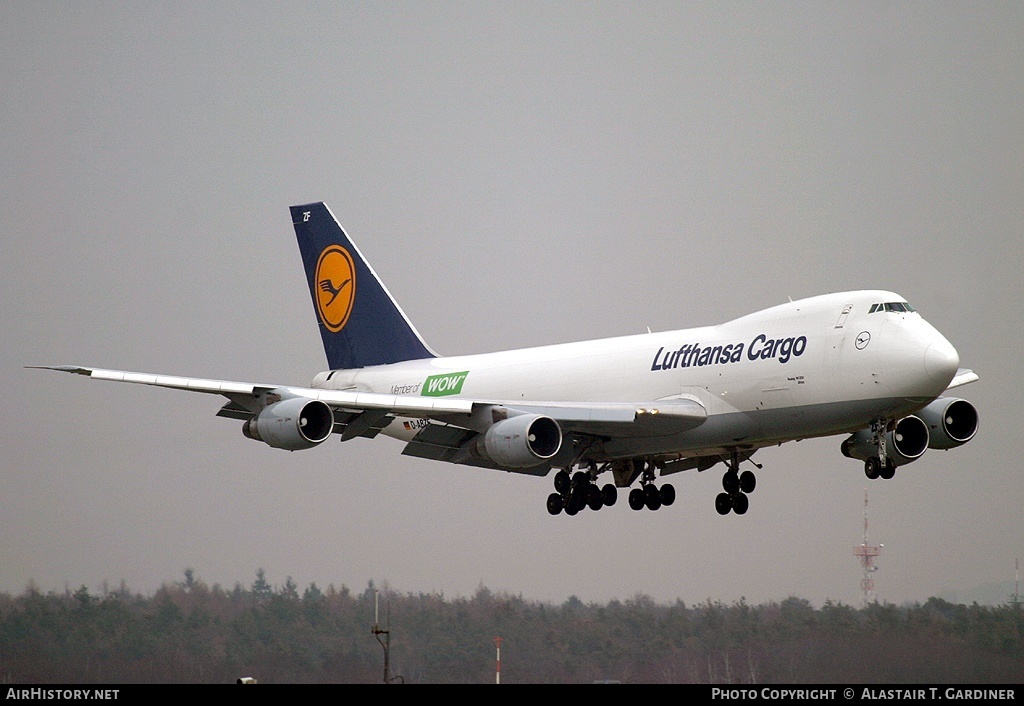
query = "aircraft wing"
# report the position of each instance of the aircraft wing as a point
(616, 419)
(962, 377)
(246, 395)
(366, 413)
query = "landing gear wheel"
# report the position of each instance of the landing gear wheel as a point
(872, 467)
(609, 494)
(580, 479)
(730, 482)
(576, 502)
(652, 498)
(668, 494)
(723, 503)
(748, 481)
(595, 501)
(555, 503)
(563, 482)
(636, 499)
(888, 470)
(740, 503)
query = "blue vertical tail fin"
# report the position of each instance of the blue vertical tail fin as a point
(360, 322)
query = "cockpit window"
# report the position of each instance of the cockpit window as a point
(899, 307)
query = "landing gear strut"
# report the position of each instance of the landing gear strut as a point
(736, 486)
(649, 495)
(880, 466)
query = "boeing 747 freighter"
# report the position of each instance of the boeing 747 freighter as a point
(861, 364)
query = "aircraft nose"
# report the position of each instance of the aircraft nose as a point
(941, 361)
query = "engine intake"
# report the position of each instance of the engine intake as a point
(951, 421)
(522, 441)
(906, 443)
(292, 424)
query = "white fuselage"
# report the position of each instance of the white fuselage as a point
(813, 367)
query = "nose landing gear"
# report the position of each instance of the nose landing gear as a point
(880, 466)
(874, 468)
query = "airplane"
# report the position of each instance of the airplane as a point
(863, 364)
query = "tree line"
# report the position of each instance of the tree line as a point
(190, 632)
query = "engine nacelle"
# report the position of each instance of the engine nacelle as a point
(523, 441)
(292, 424)
(950, 421)
(906, 443)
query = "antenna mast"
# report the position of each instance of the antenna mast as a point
(386, 642)
(1016, 583)
(867, 553)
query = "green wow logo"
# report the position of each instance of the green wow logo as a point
(440, 385)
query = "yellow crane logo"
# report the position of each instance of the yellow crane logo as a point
(335, 287)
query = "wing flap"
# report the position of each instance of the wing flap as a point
(365, 424)
(440, 442)
(233, 410)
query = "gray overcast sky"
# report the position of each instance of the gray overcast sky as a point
(519, 174)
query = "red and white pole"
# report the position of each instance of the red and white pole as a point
(497, 673)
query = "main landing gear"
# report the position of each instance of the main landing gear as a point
(579, 491)
(576, 492)
(737, 486)
(649, 495)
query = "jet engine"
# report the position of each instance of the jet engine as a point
(905, 443)
(291, 424)
(951, 421)
(522, 441)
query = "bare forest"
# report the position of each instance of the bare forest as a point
(191, 632)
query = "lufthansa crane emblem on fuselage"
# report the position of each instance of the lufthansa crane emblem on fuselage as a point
(863, 339)
(335, 287)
